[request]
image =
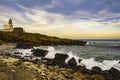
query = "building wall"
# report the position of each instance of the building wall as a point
(7, 28)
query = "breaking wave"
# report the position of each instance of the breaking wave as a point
(89, 63)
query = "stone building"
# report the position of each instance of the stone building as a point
(18, 30)
(8, 27)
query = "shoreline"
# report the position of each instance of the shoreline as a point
(72, 65)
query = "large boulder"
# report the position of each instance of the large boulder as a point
(60, 60)
(72, 62)
(39, 52)
(22, 45)
(60, 57)
(96, 70)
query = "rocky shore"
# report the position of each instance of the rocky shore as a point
(15, 65)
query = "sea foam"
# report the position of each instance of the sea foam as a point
(89, 63)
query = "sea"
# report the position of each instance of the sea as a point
(102, 53)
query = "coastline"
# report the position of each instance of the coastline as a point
(78, 72)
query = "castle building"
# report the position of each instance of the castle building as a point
(8, 27)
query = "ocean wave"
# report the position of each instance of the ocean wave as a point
(89, 63)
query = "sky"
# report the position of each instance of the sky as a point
(76, 19)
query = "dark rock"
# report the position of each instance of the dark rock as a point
(80, 60)
(107, 75)
(72, 62)
(47, 61)
(60, 60)
(115, 73)
(22, 45)
(96, 70)
(60, 57)
(83, 70)
(39, 52)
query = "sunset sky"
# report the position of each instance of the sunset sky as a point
(74, 19)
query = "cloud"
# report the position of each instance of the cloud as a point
(74, 22)
(116, 24)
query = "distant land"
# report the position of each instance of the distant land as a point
(98, 39)
(36, 39)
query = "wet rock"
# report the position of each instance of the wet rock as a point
(60, 57)
(60, 60)
(39, 52)
(22, 45)
(115, 73)
(79, 60)
(96, 70)
(72, 62)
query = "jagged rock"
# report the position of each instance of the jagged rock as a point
(39, 52)
(115, 73)
(22, 45)
(96, 70)
(72, 62)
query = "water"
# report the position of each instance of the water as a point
(105, 54)
(100, 50)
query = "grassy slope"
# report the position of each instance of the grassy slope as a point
(37, 39)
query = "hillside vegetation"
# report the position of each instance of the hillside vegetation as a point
(37, 39)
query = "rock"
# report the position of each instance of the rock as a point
(72, 62)
(115, 73)
(83, 69)
(39, 52)
(107, 75)
(96, 70)
(22, 45)
(79, 60)
(60, 57)
(47, 61)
